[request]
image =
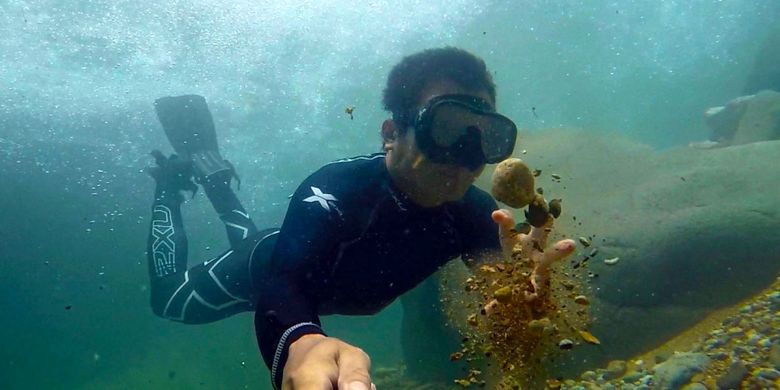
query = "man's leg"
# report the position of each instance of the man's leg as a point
(225, 202)
(208, 291)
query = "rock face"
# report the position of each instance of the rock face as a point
(695, 230)
(746, 119)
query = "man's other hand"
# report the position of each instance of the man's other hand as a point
(534, 246)
(317, 362)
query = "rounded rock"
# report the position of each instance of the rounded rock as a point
(513, 183)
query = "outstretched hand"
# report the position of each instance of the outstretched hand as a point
(533, 246)
(317, 362)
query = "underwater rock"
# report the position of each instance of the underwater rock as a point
(513, 183)
(679, 369)
(743, 120)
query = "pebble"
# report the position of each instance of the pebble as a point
(588, 376)
(732, 378)
(694, 386)
(736, 331)
(766, 373)
(615, 369)
(712, 344)
(633, 377)
(774, 355)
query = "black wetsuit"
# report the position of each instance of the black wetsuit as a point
(350, 244)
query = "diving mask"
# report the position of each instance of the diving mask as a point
(463, 130)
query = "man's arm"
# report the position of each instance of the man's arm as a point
(291, 341)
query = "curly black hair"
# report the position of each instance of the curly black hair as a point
(415, 72)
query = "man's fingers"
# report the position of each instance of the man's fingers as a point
(558, 251)
(504, 219)
(354, 365)
(540, 234)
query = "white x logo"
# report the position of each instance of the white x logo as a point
(321, 197)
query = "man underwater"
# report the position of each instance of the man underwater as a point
(358, 233)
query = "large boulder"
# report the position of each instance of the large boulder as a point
(744, 120)
(694, 230)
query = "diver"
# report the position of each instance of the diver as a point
(358, 233)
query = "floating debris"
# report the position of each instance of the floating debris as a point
(566, 344)
(593, 253)
(582, 300)
(455, 356)
(589, 337)
(537, 172)
(611, 261)
(555, 208)
(538, 212)
(540, 324)
(556, 176)
(349, 111)
(584, 241)
(503, 294)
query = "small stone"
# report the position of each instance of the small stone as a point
(588, 376)
(774, 355)
(732, 378)
(766, 373)
(719, 356)
(712, 344)
(584, 241)
(615, 369)
(633, 377)
(736, 331)
(694, 386)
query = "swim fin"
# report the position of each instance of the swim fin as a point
(190, 129)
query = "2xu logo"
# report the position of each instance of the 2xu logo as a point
(163, 247)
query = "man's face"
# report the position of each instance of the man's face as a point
(433, 181)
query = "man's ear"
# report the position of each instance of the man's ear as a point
(389, 134)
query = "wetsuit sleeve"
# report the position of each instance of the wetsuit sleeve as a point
(295, 279)
(481, 241)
